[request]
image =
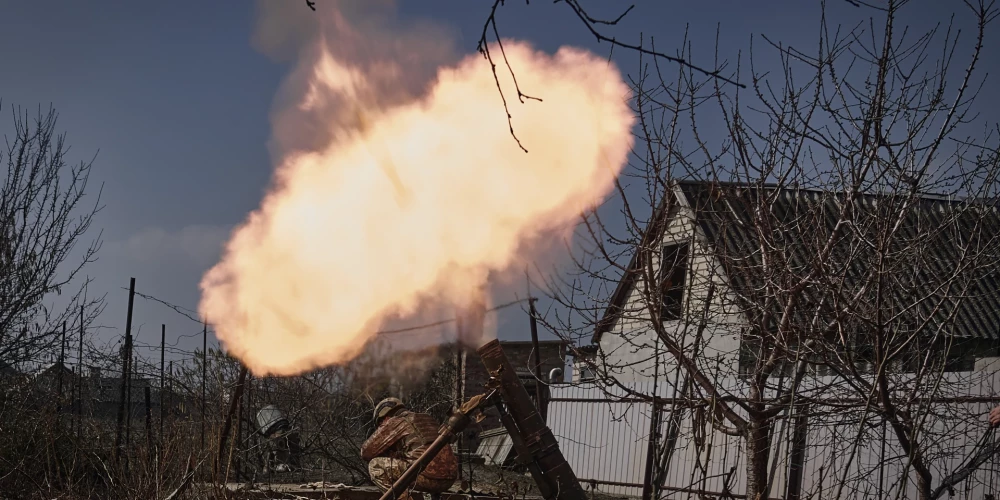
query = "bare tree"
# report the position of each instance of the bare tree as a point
(825, 254)
(44, 218)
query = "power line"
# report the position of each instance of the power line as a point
(183, 311)
(446, 321)
(188, 313)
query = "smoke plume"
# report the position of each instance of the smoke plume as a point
(397, 182)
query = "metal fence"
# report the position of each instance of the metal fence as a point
(831, 452)
(605, 438)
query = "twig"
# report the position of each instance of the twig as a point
(590, 23)
(986, 450)
(188, 476)
(485, 51)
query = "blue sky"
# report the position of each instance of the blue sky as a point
(174, 99)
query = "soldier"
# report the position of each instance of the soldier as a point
(401, 437)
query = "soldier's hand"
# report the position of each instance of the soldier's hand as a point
(995, 417)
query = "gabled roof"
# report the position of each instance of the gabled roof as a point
(541, 342)
(53, 368)
(618, 298)
(724, 215)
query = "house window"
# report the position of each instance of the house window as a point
(748, 356)
(864, 355)
(673, 269)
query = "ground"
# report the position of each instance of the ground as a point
(489, 483)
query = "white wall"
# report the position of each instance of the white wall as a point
(630, 348)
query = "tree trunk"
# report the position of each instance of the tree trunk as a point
(758, 452)
(923, 488)
(923, 478)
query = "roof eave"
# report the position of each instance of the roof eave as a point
(624, 287)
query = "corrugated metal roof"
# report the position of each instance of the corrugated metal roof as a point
(495, 447)
(935, 241)
(937, 237)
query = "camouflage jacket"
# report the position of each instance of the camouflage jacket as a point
(406, 436)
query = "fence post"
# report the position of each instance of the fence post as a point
(79, 380)
(251, 423)
(881, 464)
(126, 358)
(797, 460)
(170, 395)
(672, 434)
(459, 397)
(238, 443)
(149, 423)
(163, 348)
(651, 447)
(62, 367)
(537, 361)
(227, 426)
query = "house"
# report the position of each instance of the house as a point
(55, 378)
(707, 232)
(698, 279)
(53, 371)
(107, 395)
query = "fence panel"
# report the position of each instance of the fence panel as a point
(826, 451)
(604, 439)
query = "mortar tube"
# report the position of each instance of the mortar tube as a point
(456, 423)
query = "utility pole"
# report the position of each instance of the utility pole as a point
(126, 358)
(537, 361)
(130, 409)
(204, 377)
(163, 348)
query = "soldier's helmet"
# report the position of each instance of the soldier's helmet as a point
(386, 406)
